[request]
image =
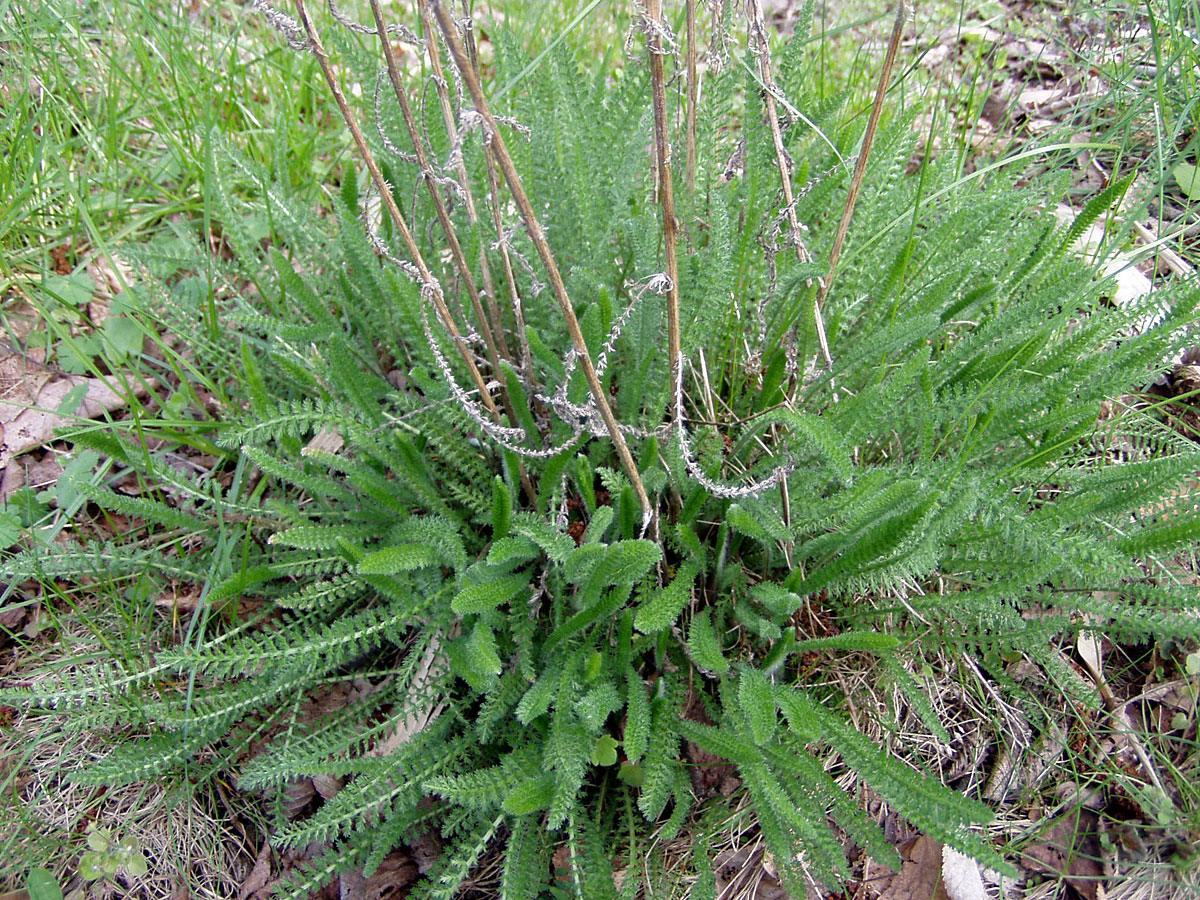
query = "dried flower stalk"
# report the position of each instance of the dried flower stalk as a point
(429, 284)
(533, 227)
(864, 153)
(655, 28)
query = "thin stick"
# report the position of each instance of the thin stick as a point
(861, 166)
(514, 296)
(758, 35)
(385, 193)
(456, 251)
(666, 191)
(493, 136)
(443, 94)
(428, 175)
(693, 96)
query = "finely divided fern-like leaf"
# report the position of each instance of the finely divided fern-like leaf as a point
(397, 558)
(637, 721)
(487, 595)
(704, 645)
(756, 697)
(526, 859)
(870, 641)
(663, 606)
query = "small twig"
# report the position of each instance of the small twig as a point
(666, 191)
(761, 41)
(429, 176)
(429, 283)
(759, 37)
(493, 327)
(693, 96)
(514, 296)
(443, 94)
(533, 227)
(864, 154)
(493, 177)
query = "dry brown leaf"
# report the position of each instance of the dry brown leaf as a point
(180, 601)
(297, 794)
(34, 473)
(13, 617)
(392, 878)
(1087, 645)
(327, 785)
(414, 722)
(747, 872)
(1070, 850)
(257, 879)
(324, 441)
(425, 848)
(920, 876)
(22, 376)
(709, 773)
(1033, 98)
(352, 886)
(25, 425)
(111, 275)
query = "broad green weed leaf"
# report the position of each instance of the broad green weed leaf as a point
(1187, 176)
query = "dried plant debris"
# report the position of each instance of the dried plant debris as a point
(1070, 849)
(1181, 385)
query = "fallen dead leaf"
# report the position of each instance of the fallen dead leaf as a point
(920, 877)
(13, 617)
(747, 872)
(960, 876)
(111, 276)
(394, 875)
(34, 473)
(352, 886)
(413, 722)
(1070, 850)
(324, 441)
(327, 785)
(257, 879)
(297, 794)
(25, 425)
(426, 848)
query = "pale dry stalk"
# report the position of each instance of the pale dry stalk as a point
(537, 236)
(666, 191)
(447, 108)
(864, 153)
(429, 176)
(389, 202)
(759, 37)
(693, 97)
(488, 328)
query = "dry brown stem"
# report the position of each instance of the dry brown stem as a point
(447, 108)
(864, 153)
(537, 236)
(693, 96)
(666, 190)
(759, 36)
(428, 175)
(389, 202)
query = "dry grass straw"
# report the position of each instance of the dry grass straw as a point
(191, 847)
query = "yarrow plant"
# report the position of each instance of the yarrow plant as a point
(572, 484)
